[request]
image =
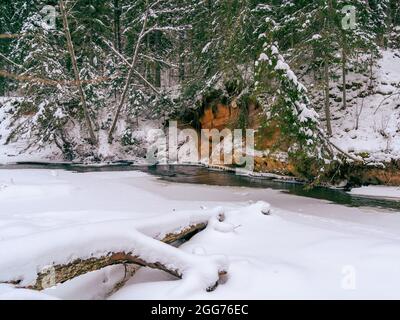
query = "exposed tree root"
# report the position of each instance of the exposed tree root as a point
(130, 271)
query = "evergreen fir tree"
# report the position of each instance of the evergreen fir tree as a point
(45, 82)
(286, 102)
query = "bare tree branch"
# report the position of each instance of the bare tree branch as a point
(169, 64)
(130, 65)
(129, 77)
(12, 62)
(385, 99)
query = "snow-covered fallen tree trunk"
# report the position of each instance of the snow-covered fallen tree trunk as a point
(33, 263)
(63, 272)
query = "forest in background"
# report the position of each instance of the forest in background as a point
(106, 64)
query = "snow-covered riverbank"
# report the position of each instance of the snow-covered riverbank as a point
(384, 192)
(305, 249)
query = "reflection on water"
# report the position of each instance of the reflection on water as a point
(201, 175)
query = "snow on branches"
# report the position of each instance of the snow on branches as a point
(291, 101)
(292, 109)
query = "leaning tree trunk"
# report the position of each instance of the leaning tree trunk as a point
(157, 66)
(117, 34)
(117, 26)
(76, 72)
(182, 72)
(326, 70)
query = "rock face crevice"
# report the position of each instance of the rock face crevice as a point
(221, 116)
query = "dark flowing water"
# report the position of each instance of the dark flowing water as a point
(202, 175)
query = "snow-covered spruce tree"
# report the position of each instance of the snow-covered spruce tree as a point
(320, 32)
(6, 27)
(286, 104)
(224, 41)
(394, 13)
(13, 13)
(394, 24)
(5, 8)
(355, 40)
(50, 87)
(50, 91)
(46, 105)
(379, 10)
(304, 31)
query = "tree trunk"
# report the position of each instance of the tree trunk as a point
(371, 72)
(67, 271)
(117, 26)
(76, 72)
(157, 76)
(157, 81)
(327, 98)
(344, 73)
(326, 72)
(117, 34)
(182, 58)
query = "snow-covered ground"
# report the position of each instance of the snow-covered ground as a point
(15, 150)
(370, 125)
(26, 147)
(306, 248)
(377, 192)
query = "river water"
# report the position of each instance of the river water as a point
(205, 176)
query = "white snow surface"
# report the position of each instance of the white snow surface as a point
(304, 249)
(15, 150)
(27, 147)
(378, 192)
(376, 133)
